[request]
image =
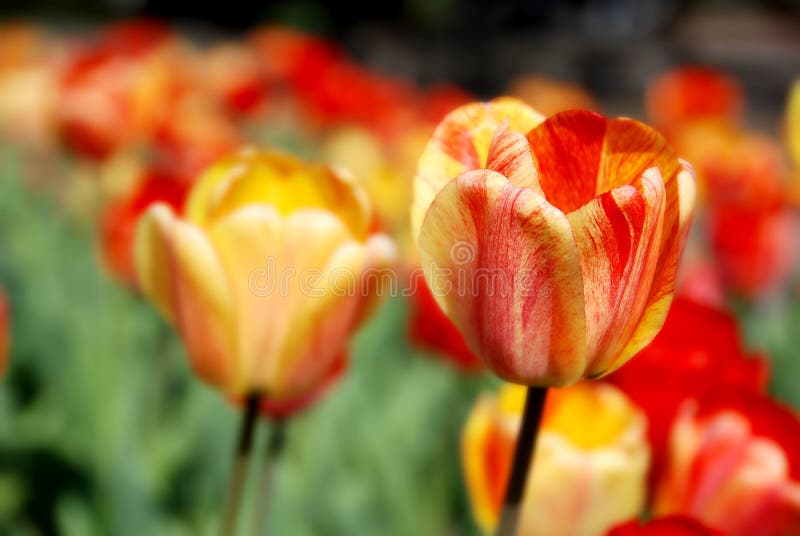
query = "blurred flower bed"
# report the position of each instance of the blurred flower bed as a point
(106, 429)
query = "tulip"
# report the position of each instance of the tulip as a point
(550, 96)
(120, 217)
(589, 471)
(552, 245)
(665, 526)
(686, 94)
(698, 350)
(269, 273)
(735, 465)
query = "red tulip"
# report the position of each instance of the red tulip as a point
(120, 218)
(552, 247)
(665, 526)
(687, 94)
(697, 350)
(734, 464)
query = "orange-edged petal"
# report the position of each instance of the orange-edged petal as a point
(618, 235)
(510, 155)
(677, 221)
(461, 143)
(580, 155)
(503, 264)
(180, 272)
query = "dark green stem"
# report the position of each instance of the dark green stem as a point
(239, 475)
(523, 458)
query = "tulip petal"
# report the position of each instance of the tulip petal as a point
(618, 235)
(461, 143)
(677, 221)
(293, 321)
(510, 155)
(580, 154)
(181, 273)
(503, 264)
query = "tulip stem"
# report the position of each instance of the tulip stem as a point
(271, 455)
(239, 476)
(523, 457)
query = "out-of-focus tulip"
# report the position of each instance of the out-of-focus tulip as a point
(235, 75)
(430, 328)
(558, 260)
(27, 87)
(118, 91)
(665, 526)
(734, 464)
(697, 350)
(4, 335)
(120, 217)
(267, 276)
(687, 94)
(283, 409)
(550, 96)
(589, 470)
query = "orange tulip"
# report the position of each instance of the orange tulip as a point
(793, 123)
(734, 464)
(267, 276)
(590, 467)
(552, 245)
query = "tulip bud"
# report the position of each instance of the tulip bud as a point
(267, 276)
(590, 466)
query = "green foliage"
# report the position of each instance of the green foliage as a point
(106, 431)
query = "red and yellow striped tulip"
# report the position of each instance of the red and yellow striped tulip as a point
(735, 465)
(589, 471)
(267, 276)
(552, 244)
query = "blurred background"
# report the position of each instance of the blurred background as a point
(103, 428)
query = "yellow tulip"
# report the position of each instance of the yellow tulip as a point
(589, 470)
(268, 274)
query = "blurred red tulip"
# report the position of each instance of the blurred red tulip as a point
(429, 327)
(4, 332)
(117, 90)
(734, 463)
(665, 526)
(686, 94)
(119, 220)
(755, 247)
(697, 350)
(235, 75)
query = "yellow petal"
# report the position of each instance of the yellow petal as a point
(280, 181)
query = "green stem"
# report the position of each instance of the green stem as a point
(239, 475)
(523, 458)
(271, 455)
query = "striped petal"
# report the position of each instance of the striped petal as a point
(180, 271)
(461, 143)
(618, 235)
(678, 212)
(289, 276)
(581, 155)
(510, 155)
(503, 264)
